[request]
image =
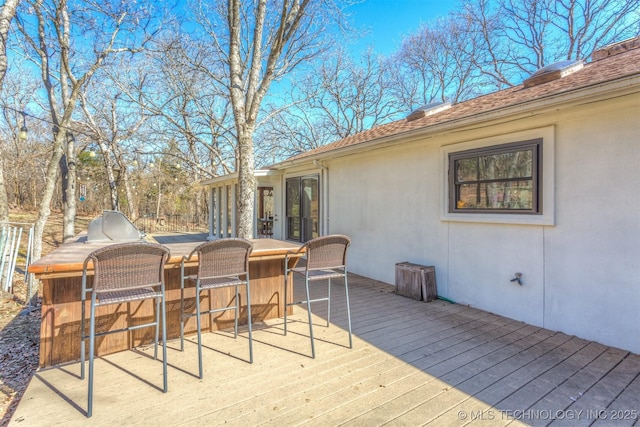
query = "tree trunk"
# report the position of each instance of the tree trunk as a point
(4, 202)
(246, 184)
(47, 194)
(158, 200)
(251, 72)
(111, 176)
(7, 13)
(69, 182)
(198, 210)
(131, 202)
(245, 160)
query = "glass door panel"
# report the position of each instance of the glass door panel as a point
(310, 213)
(293, 209)
(303, 213)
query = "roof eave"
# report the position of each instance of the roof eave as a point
(603, 90)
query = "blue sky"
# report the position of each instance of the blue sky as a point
(388, 21)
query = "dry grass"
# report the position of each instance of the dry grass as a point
(20, 320)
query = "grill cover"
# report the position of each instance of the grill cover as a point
(113, 226)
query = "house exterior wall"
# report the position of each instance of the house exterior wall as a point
(581, 274)
(593, 254)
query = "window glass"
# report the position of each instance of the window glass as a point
(302, 208)
(503, 178)
(293, 209)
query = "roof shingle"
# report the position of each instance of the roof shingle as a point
(606, 69)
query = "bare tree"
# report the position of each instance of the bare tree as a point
(182, 91)
(351, 97)
(111, 123)
(23, 158)
(585, 25)
(69, 47)
(491, 57)
(178, 85)
(436, 64)
(527, 25)
(7, 12)
(261, 43)
(517, 37)
(337, 98)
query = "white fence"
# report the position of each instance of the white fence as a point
(11, 236)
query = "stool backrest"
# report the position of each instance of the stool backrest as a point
(126, 266)
(327, 252)
(223, 257)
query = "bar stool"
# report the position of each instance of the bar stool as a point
(124, 273)
(326, 259)
(221, 263)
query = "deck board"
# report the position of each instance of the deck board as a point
(413, 363)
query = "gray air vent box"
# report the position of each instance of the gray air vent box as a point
(113, 226)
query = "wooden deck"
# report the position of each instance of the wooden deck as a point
(412, 364)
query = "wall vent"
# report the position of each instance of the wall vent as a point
(554, 71)
(427, 110)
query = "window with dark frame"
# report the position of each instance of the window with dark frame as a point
(505, 178)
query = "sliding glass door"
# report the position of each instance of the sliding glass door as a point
(302, 208)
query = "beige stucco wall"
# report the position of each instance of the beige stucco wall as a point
(581, 274)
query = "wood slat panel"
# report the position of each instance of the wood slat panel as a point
(61, 270)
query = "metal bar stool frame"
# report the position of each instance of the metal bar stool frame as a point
(123, 273)
(221, 263)
(326, 259)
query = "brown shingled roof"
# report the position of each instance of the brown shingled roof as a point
(607, 69)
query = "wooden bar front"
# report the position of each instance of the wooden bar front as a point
(61, 276)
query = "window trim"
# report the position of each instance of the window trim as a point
(535, 145)
(546, 179)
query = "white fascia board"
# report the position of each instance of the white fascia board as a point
(220, 180)
(259, 173)
(233, 177)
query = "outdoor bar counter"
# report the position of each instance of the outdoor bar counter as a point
(61, 274)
